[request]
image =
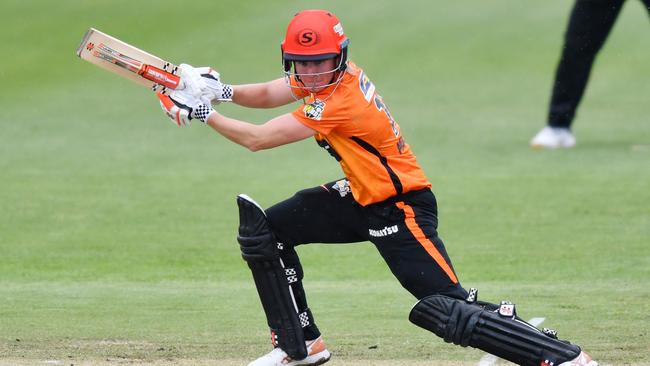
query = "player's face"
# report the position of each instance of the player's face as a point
(315, 75)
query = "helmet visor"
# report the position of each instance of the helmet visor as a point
(315, 80)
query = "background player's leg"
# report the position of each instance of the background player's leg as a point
(589, 25)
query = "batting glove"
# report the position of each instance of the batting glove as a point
(204, 82)
(191, 80)
(182, 107)
(214, 89)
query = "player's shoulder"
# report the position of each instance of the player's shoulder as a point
(358, 83)
(353, 69)
(352, 73)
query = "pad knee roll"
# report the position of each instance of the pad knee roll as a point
(255, 238)
(468, 324)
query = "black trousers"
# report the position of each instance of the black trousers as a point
(403, 229)
(589, 25)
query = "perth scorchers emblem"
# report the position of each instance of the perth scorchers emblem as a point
(314, 110)
(343, 187)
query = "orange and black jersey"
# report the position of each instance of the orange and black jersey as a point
(356, 127)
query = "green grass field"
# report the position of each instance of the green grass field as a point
(117, 229)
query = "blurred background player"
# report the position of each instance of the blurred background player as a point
(589, 25)
(385, 198)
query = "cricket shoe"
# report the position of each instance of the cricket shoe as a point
(553, 138)
(583, 359)
(317, 354)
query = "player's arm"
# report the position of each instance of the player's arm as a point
(270, 94)
(278, 131)
(182, 106)
(207, 82)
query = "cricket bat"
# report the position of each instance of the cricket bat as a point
(128, 61)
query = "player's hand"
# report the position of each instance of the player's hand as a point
(192, 81)
(177, 112)
(214, 89)
(204, 82)
(181, 107)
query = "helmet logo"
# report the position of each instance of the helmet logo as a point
(307, 37)
(338, 29)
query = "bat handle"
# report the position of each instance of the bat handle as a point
(160, 76)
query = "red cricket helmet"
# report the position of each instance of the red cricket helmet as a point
(314, 35)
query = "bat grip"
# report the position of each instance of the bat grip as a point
(160, 76)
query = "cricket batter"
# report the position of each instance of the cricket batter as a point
(385, 198)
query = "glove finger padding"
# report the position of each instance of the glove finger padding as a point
(179, 113)
(198, 107)
(192, 81)
(214, 89)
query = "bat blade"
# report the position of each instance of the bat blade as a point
(128, 61)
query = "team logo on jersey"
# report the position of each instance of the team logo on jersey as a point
(314, 110)
(343, 187)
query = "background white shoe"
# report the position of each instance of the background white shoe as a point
(553, 138)
(583, 359)
(317, 354)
